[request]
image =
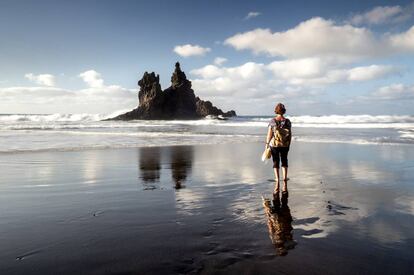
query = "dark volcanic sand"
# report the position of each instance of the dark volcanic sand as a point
(199, 210)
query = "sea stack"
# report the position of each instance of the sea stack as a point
(176, 102)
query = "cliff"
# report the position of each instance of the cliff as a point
(176, 102)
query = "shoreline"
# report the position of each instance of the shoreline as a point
(76, 149)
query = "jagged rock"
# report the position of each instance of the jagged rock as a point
(151, 100)
(180, 98)
(178, 79)
(206, 108)
(176, 102)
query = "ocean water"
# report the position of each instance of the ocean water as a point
(64, 132)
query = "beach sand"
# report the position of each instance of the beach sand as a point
(199, 209)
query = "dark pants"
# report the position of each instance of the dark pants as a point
(280, 154)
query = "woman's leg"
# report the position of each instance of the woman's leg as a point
(285, 172)
(276, 170)
(285, 179)
(283, 155)
(276, 160)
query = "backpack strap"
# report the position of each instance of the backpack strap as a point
(279, 123)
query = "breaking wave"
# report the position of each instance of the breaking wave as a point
(34, 132)
(237, 121)
(57, 117)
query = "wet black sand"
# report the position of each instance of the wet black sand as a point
(199, 209)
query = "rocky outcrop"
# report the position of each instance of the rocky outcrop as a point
(206, 108)
(176, 102)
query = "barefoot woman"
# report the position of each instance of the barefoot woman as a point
(279, 135)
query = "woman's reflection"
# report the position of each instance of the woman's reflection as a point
(279, 223)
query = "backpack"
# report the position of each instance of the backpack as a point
(281, 133)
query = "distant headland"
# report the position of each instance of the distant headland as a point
(176, 102)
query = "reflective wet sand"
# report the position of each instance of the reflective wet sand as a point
(199, 209)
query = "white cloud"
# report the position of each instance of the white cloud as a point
(219, 61)
(92, 78)
(315, 54)
(315, 37)
(190, 50)
(394, 92)
(403, 42)
(41, 79)
(208, 71)
(370, 72)
(378, 15)
(289, 78)
(245, 80)
(308, 72)
(97, 98)
(31, 94)
(315, 73)
(322, 38)
(251, 82)
(252, 14)
(249, 70)
(294, 68)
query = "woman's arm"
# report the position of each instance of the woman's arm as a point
(269, 135)
(290, 132)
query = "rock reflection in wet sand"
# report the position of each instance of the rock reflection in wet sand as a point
(180, 160)
(149, 166)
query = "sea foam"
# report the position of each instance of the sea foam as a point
(33, 132)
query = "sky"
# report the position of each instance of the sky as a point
(317, 57)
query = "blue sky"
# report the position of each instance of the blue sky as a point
(318, 57)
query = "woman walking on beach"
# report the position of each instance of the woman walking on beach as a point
(279, 135)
